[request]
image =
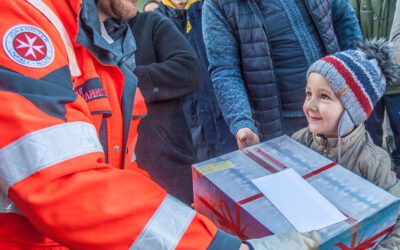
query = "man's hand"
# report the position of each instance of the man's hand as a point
(245, 137)
(298, 241)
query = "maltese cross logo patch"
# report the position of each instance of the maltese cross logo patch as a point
(29, 46)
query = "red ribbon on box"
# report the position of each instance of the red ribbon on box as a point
(363, 245)
(226, 219)
(272, 169)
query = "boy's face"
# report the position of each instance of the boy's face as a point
(321, 107)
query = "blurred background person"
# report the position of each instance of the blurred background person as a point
(141, 3)
(167, 69)
(210, 134)
(376, 19)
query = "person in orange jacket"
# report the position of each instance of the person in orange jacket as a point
(68, 118)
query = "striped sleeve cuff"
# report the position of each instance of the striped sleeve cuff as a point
(243, 124)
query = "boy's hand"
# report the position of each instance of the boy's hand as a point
(298, 241)
(245, 137)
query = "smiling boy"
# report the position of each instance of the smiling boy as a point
(341, 92)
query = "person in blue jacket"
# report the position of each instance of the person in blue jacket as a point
(259, 53)
(210, 134)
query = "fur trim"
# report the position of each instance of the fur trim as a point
(383, 52)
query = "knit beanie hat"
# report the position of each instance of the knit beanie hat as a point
(359, 77)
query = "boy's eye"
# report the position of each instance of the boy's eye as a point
(308, 93)
(325, 97)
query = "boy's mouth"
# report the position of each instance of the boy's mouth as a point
(314, 118)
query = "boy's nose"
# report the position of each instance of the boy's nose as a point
(312, 104)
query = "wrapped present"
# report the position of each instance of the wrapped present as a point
(224, 192)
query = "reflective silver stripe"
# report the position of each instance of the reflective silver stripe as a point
(7, 206)
(52, 17)
(44, 148)
(166, 227)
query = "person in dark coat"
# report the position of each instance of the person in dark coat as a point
(168, 70)
(210, 134)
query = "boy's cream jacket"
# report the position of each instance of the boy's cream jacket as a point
(361, 156)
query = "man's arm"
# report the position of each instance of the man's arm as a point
(345, 23)
(225, 68)
(356, 6)
(177, 72)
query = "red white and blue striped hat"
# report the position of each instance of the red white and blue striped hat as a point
(359, 77)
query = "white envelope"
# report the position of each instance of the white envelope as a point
(302, 205)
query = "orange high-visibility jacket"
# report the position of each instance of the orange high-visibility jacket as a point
(67, 170)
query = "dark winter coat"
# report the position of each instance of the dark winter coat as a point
(168, 70)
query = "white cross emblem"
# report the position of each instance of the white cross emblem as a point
(29, 46)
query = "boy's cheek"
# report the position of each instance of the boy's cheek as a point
(305, 105)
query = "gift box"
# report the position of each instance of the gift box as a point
(224, 192)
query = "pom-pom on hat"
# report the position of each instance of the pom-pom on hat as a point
(359, 77)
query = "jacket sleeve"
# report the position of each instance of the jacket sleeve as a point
(177, 71)
(225, 68)
(345, 23)
(52, 164)
(395, 32)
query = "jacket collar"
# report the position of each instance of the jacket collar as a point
(331, 144)
(89, 35)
